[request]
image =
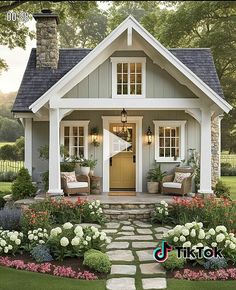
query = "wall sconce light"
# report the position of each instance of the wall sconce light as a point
(94, 136)
(123, 116)
(149, 136)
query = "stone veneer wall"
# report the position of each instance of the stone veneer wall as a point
(47, 53)
(215, 150)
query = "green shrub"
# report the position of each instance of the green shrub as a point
(97, 261)
(45, 179)
(67, 166)
(173, 262)
(228, 171)
(22, 187)
(41, 254)
(216, 263)
(221, 189)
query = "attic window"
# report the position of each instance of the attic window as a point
(128, 77)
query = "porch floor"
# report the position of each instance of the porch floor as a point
(140, 198)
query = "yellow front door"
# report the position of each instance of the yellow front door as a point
(123, 164)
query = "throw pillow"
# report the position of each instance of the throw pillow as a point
(180, 176)
(70, 176)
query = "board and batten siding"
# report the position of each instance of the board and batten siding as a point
(159, 83)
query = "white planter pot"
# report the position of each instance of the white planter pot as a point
(91, 173)
(152, 187)
(84, 170)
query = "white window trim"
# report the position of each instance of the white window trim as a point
(114, 61)
(168, 123)
(78, 124)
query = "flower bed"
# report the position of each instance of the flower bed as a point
(49, 268)
(221, 274)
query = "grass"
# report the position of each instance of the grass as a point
(5, 186)
(174, 284)
(18, 279)
(230, 181)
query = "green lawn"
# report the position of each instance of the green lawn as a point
(174, 284)
(17, 279)
(231, 181)
(5, 186)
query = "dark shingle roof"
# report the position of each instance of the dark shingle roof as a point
(36, 82)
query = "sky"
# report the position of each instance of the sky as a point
(17, 60)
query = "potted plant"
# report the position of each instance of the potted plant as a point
(92, 164)
(154, 177)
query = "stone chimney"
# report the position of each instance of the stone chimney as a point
(47, 52)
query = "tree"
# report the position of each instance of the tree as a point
(8, 152)
(10, 130)
(15, 33)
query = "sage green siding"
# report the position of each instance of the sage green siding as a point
(159, 83)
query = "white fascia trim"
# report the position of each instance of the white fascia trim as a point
(166, 123)
(127, 23)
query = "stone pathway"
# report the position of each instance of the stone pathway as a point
(131, 254)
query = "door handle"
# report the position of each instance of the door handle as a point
(110, 161)
(134, 158)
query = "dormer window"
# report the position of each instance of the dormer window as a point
(128, 77)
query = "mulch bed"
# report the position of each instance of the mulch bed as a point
(75, 263)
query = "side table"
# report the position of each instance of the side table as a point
(95, 185)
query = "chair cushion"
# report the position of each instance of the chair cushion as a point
(77, 184)
(172, 184)
(69, 176)
(180, 176)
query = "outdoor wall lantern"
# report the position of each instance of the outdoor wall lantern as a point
(123, 116)
(149, 136)
(94, 136)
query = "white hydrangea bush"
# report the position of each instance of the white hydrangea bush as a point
(93, 212)
(193, 235)
(10, 241)
(161, 212)
(73, 240)
(37, 237)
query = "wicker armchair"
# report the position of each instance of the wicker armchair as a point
(81, 186)
(169, 186)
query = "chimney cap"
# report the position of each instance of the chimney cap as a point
(46, 13)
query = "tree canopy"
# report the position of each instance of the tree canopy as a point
(174, 23)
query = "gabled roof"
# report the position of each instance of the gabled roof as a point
(195, 64)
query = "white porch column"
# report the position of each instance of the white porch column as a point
(28, 144)
(205, 158)
(54, 153)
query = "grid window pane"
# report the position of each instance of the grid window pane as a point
(81, 131)
(169, 145)
(67, 131)
(130, 75)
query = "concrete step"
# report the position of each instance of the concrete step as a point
(128, 214)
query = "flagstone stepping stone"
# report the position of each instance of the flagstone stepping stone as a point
(125, 223)
(145, 255)
(136, 238)
(127, 228)
(144, 231)
(118, 245)
(152, 268)
(110, 231)
(126, 233)
(120, 255)
(123, 269)
(120, 284)
(159, 236)
(161, 230)
(142, 224)
(144, 245)
(154, 283)
(84, 225)
(112, 225)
